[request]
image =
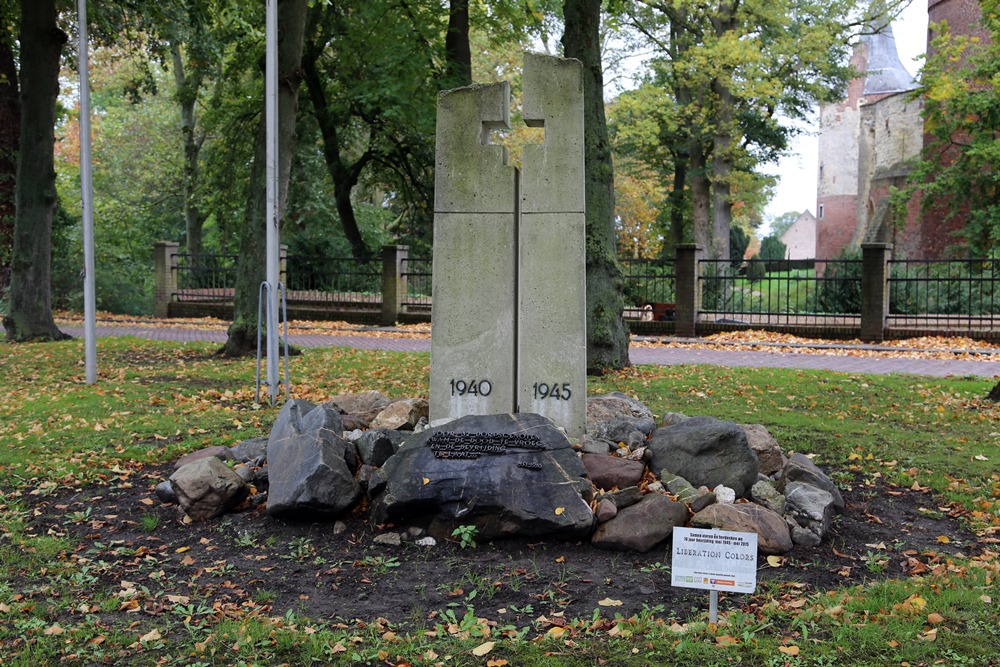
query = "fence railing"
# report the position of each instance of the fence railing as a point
(778, 293)
(959, 295)
(871, 298)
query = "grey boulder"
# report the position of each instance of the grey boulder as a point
(642, 526)
(706, 452)
(207, 488)
(311, 468)
(800, 468)
(773, 536)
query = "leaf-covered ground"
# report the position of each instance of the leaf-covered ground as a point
(93, 570)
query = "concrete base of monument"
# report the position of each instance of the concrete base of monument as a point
(624, 485)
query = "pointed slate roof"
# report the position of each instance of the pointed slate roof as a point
(885, 72)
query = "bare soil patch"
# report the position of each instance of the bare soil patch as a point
(247, 561)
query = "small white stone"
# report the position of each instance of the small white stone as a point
(426, 542)
(351, 436)
(724, 495)
(655, 487)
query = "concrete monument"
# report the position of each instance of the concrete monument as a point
(509, 327)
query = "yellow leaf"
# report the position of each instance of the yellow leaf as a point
(496, 663)
(181, 550)
(555, 632)
(726, 640)
(789, 650)
(150, 636)
(561, 559)
(775, 561)
(929, 636)
(560, 510)
(608, 602)
(483, 649)
(943, 539)
(147, 501)
(935, 618)
(427, 480)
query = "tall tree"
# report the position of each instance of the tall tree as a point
(458, 53)
(734, 73)
(607, 334)
(29, 314)
(10, 129)
(242, 334)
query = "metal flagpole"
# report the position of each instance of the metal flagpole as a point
(272, 272)
(87, 196)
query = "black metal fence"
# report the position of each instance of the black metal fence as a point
(338, 280)
(650, 288)
(205, 277)
(816, 297)
(417, 274)
(753, 294)
(950, 294)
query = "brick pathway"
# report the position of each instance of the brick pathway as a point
(659, 356)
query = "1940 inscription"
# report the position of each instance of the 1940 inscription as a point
(451, 445)
(471, 388)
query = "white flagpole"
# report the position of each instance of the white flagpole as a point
(272, 269)
(87, 196)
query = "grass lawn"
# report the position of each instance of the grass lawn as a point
(156, 401)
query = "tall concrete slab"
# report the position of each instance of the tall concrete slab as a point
(475, 257)
(552, 324)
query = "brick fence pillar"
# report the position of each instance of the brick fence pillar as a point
(393, 282)
(874, 289)
(164, 276)
(688, 289)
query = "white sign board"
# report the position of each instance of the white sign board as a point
(715, 560)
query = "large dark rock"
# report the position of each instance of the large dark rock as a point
(492, 492)
(705, 451)
(642, 526)
(377, 445)
(800, 468)
(310, 468)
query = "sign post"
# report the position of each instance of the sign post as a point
(714, 560)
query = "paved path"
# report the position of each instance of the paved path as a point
(664, 356)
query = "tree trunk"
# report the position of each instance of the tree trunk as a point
(723, 22)
(30, 308)
(10, 127)
(252, 260)
(458, 53)
(607, 334)
(188, 85)
(344, 176)
(700, 194)
(722, 167)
